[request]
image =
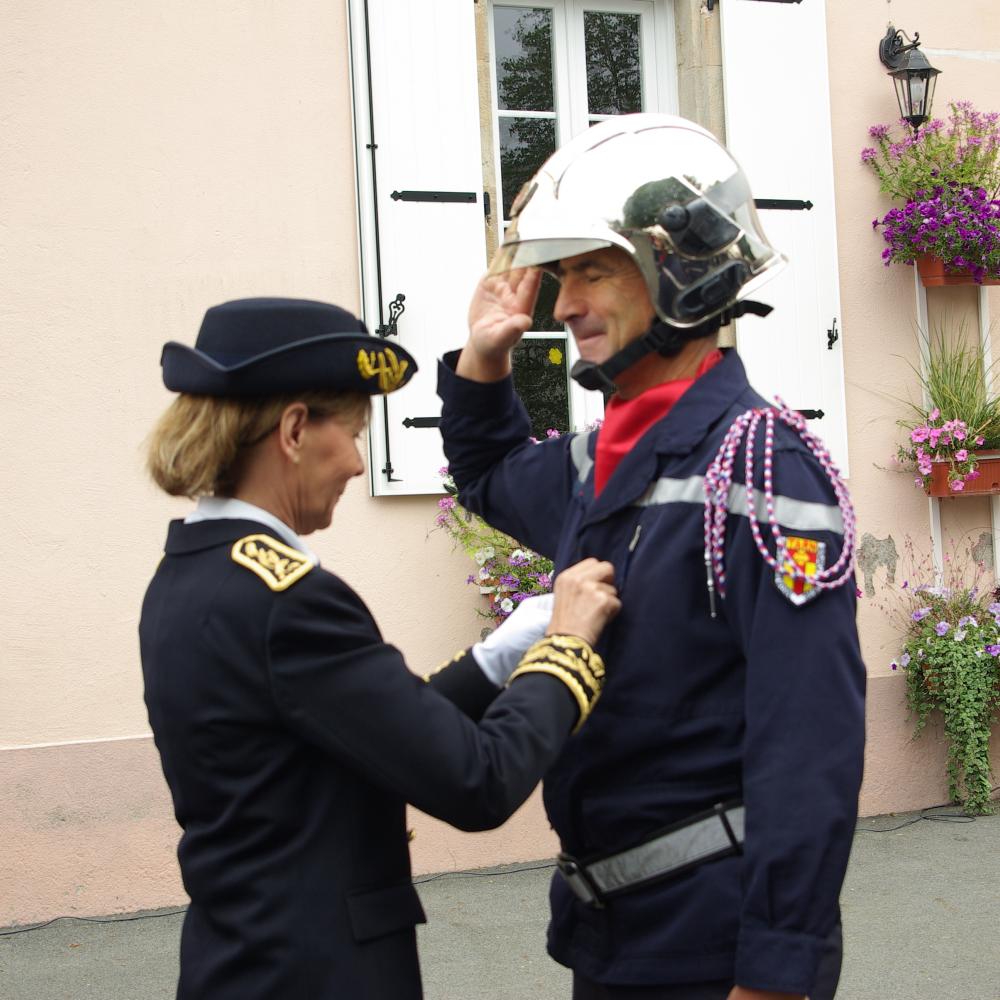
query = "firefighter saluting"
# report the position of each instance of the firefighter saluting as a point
(706, 811)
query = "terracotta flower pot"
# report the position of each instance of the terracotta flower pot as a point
(934, 273)
(988, 481)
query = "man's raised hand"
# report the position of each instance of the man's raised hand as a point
(499, 314)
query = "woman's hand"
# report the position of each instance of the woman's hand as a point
(501, 651)
(585, 600)
(499, 314)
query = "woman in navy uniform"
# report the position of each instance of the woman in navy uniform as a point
(291, 735)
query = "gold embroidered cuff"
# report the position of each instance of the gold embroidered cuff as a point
(572, 660)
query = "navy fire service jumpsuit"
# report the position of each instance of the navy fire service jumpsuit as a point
(763, 703)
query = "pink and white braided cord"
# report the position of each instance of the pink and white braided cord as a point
(719, 478)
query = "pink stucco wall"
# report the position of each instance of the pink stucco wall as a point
(88, 829)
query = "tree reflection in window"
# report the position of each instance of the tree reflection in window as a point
(540, 380)
(614, 67)
(523, 37)
(525, 144)
(542, 319)
(527, 119)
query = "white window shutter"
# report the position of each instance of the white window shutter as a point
(777, 95)
(421, 209)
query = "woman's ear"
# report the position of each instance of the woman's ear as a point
(291, 431)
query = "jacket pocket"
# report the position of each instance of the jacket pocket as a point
(377, 912)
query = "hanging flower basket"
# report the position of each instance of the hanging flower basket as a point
(934, 273)
(988, 481)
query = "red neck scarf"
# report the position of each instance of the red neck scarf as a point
(626, 420)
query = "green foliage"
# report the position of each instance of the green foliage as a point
(507, 572)
(951, 655)
(955, 384)
(959, 417)
(964, 150)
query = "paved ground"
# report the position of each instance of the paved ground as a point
(921, 919)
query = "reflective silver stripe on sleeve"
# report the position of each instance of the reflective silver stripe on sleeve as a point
(800, 515)
(582, 461)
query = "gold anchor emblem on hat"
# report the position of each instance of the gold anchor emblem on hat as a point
(389, 369)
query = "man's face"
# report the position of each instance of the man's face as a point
(603, 300)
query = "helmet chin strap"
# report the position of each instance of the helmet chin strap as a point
(660, 338)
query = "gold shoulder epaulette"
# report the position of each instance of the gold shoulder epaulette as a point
(277, 564)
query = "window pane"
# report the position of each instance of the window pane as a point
(540, 380)
(614, 68)
(523, 38)
(543, 321)
(525, 144)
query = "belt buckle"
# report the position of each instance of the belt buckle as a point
(578, 879)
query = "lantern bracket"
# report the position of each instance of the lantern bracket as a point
(891, 48)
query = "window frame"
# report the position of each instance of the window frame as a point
(572, 117)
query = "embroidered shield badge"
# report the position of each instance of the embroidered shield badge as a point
(798, 556)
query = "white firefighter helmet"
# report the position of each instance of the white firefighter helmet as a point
(665, 191)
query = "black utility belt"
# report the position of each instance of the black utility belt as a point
(706, 836)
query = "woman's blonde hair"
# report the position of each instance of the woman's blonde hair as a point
(196, 447)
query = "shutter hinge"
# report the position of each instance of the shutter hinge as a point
(438, 196)
(784, 204)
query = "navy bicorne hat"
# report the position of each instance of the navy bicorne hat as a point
(263, 347)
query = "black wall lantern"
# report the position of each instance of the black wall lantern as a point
(912, 74)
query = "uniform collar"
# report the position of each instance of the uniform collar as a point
(228, 508)
(702, 406)
(680, 432)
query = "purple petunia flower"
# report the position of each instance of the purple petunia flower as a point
(993, 649)
(941, 628)
(920, 614)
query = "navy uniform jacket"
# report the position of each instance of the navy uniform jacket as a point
(291, 738)
(764, 702)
